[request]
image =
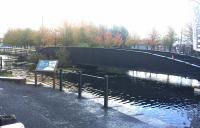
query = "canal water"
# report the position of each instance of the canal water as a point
(156, 101)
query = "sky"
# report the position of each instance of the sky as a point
(138, 16)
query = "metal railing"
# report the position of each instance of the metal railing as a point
(80, 83)
(58, 76)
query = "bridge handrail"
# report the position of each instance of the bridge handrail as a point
(164, 57)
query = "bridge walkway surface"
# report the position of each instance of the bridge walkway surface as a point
(43, 107)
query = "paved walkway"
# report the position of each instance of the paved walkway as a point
(47, 108)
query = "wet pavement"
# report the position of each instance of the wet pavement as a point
(44, 107)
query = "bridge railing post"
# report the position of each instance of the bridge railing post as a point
(60, 76)
(80, 85)
(106, 92)
(1, 62)
(35, 78)
(54, 80)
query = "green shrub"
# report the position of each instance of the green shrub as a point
(63, 58)
(33, 60)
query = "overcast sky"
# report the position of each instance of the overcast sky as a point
(138, 16)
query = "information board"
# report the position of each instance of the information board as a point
(47, 65)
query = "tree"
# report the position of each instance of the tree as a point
(122, 31)
(188, 34)
(21, 37)
(108, 38)
(154, 38)
(124, 35)
(170, 38)
(100, 38)
(133, 40)
(85, 35)
(117, 40)
(48, 36)
(10, 37)
(68, 34)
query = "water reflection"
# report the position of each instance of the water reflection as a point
(141, 98)
(177, 80)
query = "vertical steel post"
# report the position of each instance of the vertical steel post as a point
(42, 77)
(54, 80)
(80, 85)
(61, 84)
(1, 62)
(106, 92)
(35, 78)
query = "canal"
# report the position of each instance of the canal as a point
(173, 102)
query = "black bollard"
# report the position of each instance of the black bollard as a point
(106, 92)
(54, 80)
(1, 62)
(80, 85)
(35, 78)
(61, 84)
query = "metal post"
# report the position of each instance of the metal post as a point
(35, 78)
(54, 80)
(80, 85)
(61, 84)
(42, 77)
(106, 92)
(1, 62)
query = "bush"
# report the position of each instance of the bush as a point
(33, 60)
(63, 58)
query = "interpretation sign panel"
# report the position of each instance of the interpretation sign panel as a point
(47, 65)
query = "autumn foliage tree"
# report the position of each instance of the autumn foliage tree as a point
(21, 37)
(133, 40)
(87, 35)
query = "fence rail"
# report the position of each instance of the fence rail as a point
(80, 84)
(61, 82)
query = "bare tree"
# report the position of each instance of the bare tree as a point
(188, 34)
(154, 38)
(170, 38)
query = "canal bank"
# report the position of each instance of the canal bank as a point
(47, 108)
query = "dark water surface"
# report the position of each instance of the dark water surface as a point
(175, 105)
